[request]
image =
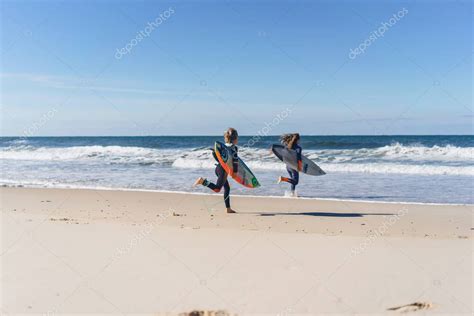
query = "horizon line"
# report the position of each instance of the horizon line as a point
(243, 135)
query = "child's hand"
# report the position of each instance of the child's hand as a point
(300, 165)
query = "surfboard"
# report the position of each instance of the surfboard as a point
(289, 157)
(243, 175)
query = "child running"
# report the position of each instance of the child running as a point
(231, 138)
(291, 141)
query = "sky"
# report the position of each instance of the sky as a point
(86, 68)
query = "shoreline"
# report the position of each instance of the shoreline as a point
(197, 209)
(234, 195)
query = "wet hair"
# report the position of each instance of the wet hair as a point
(230, 135)
(289, 140)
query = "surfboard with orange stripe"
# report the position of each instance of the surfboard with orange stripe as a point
(243, 175)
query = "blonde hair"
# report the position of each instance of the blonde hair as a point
(290, 139)
(230, 135)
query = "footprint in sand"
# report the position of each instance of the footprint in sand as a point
(206, 313)
(65, 219)
(413, 307)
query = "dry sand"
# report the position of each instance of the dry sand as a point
(96, 251)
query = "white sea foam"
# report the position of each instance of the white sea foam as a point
(401, 169)
(397, 151)
(117, 154)
(396, 158)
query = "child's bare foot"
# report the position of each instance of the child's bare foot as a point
(280, 179)
(199, 181)
(230, 211)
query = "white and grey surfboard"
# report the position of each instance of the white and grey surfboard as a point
(289, 157)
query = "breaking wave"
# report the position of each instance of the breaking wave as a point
(394, 158)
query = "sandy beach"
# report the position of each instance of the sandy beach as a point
(123, 252)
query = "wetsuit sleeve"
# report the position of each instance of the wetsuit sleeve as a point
(235, 160)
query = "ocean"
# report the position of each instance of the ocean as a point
(425, 169)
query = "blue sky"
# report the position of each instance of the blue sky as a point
(213, 64)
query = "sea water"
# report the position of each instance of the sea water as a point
(427, 169)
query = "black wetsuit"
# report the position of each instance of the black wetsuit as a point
(294, 174)
(222, 176)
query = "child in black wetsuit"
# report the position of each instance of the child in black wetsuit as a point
(231, 138)
(292, 142)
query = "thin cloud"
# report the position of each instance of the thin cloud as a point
(387, 119)
(60, 82)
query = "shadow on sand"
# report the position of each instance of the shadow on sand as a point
(325, 214)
